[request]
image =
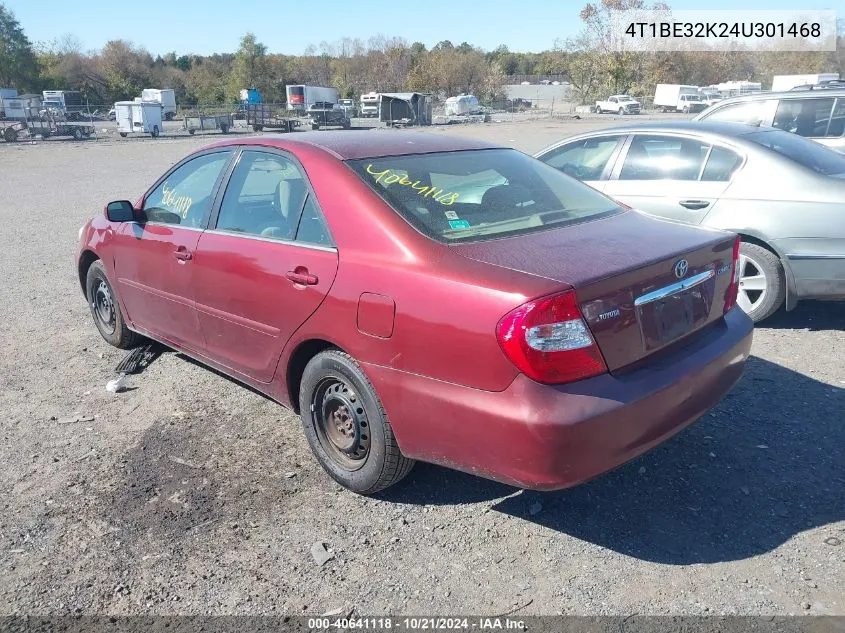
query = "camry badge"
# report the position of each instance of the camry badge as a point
(681, 267)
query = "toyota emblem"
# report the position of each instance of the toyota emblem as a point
(681, 267)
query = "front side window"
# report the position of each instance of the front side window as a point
(663, 158)
(585, 159)
(186, 195)
(750, 112)
(264, 196)
(805, 117)
(473, 195)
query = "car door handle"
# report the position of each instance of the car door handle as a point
(302, 276)
(694, 204)
(182, 254)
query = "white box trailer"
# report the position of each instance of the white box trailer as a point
(166, 97)
(301, 97)
(782, 83)
(677, 98)
(22, 108)
(138, 117)
(462, 105)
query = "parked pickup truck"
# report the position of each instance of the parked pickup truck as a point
(325, 114)
(619, 104)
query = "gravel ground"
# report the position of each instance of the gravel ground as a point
(191, 495)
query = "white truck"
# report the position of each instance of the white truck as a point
(782, 83)
(618, 104)
(165, 97)
(63, 103)
(678, 98)
(301, 97)
(370, 104)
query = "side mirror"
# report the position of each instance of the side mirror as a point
(120, 211)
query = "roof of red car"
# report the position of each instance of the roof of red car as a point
(353, 144)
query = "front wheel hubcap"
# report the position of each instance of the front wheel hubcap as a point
(341, 423)
(103, 306)
(753, 284)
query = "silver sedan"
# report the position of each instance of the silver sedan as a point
(785, 195)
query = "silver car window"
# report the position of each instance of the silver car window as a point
(805, 117)
(663, 158)
(584, 159)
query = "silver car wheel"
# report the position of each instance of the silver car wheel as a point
(753, 284)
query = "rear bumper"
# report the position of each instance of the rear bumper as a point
(550, 437)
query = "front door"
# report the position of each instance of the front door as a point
(263, 267)
(675, 177)
(154, 257)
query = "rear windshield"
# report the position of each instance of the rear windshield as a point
(807, 153)
(480, 194)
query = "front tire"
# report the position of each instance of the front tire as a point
(762, 286)
(346, 425)
(621, 111)
(105, 309)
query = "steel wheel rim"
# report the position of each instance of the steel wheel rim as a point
(103, 306)
(753, 284)
(341, 423)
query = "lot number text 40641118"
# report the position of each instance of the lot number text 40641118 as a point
(416, 624)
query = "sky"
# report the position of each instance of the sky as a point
(289, 26)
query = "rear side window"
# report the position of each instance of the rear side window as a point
(480, 194)
(807, 153)
(805, 117)
(264, 197)
(721, 164)
(585, 159)
(663, 158)
(750, 112)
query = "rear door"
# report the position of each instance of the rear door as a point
(264, 266)
(672, 176)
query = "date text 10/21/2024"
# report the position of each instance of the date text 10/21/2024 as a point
(416, 624)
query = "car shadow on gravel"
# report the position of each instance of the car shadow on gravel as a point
(763, 466)
(811, 315)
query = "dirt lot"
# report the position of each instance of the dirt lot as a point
(191, 495)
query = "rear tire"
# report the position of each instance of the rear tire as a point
(347, 427)
(123, 134)
(105, 309)
(76, 134)
(762, 285)
(154, 133)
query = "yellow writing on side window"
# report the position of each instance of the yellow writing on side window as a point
(388, 177)
(175, 203)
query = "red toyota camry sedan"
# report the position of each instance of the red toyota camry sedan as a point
(419, 297)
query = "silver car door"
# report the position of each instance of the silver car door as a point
(671, 176)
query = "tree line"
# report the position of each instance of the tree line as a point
(120, 70)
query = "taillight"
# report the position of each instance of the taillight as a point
(548, 340)
(733, 287)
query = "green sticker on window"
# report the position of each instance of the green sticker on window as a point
(459, 224)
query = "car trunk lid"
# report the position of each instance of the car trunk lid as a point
(642, 283)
